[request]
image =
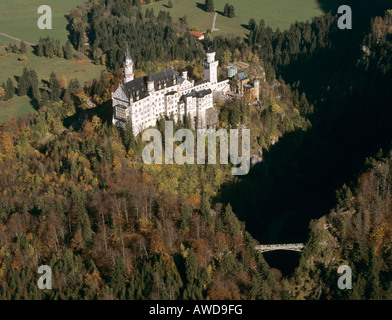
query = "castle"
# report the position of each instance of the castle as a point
(146, 99)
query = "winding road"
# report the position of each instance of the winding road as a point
(17, 39)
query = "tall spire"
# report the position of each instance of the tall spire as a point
(127, 54)
(128, 66)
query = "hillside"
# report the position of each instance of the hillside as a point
(19, 19)
(76, 195)
(359, 225)
(277, 13)
(111, 227)
(84, 70)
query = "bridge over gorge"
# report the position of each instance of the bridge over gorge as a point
(286, 246)
(290, 246)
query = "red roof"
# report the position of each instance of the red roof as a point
(197, 34)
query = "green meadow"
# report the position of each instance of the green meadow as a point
(11, 67)
(276, 13)
(15, 107)
(19, 18)
(83, 70)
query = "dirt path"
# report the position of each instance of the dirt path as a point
(213, 22)
(17, 39)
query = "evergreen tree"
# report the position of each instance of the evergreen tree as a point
(252, 24)
(205, 209)
(15, 48)
(78, 206)
(40, 49)
(185, 217)
(231, 12)
(191, 266)
(235, 114)
(187, 122)
(373, 280)
(209, 5)
(60, 51)
(10, 89)
(128, 136)
(303, 104)
(54, 85)
(117, 282)
(81, 40)
(23, 48)
(34, 86)
(45, 98)
(68, 51)
(49, 48)
(226, 10)
(73, 85)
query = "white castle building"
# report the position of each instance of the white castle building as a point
(146, 99)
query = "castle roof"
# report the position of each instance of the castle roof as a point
(210, 50)
(242, 76)
(198, 83)
(197, 34)
(199, 94)
(138, 87)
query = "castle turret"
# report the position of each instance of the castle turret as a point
(174, 79)
(185, 74)
(256, 85)
(211, 67)
(150, 83)
(128, 67)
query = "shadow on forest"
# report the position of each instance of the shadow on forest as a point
(103, 111)
(298, 178)
(245, 26)
(201, 6)
(330, 5)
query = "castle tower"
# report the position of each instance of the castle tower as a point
(185, 74)
(257, 88)
(128, 67)
(211, 67)
(150, 84)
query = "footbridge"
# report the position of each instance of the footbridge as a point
(286, 246)
(291, 246)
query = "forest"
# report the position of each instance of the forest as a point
(76, 196)
(111, 227)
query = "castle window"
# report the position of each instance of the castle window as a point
(120, 113)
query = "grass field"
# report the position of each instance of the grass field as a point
(19, 18)
(15, 107)
(276, 13)
(83, 70)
